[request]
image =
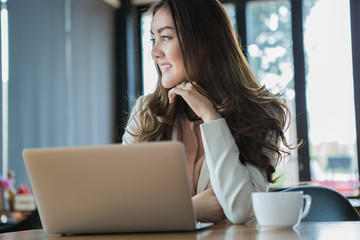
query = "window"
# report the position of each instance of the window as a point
(269, 47)
(148, 65)
(4, 87)
(330, 94)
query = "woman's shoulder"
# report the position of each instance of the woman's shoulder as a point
(131, 130)
(140, 103)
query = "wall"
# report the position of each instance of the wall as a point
(61, 75)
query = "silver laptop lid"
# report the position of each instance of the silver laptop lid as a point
(113, 188)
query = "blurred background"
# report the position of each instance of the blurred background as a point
(71, 70)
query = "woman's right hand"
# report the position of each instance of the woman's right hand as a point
(199, 104)
(207, 207)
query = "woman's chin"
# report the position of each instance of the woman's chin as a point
(168, 85)
(171, 84)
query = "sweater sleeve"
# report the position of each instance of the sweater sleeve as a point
(132, 123)
(232, 181)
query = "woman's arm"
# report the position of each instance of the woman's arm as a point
(207, 207)
(232, 182)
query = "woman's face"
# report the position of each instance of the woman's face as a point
(166, 49)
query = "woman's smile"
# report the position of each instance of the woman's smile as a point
(165, 67)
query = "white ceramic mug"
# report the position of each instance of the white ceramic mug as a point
(280, 209)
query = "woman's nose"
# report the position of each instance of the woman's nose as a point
(157, 52)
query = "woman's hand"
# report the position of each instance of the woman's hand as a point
(200, 105)
(207, 207)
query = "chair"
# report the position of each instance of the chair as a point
(327, 205)
(30, 222)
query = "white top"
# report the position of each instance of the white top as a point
(231, 181)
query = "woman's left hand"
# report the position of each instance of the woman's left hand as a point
(201, 106)
(207, 207)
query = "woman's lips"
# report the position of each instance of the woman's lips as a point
(165, 67)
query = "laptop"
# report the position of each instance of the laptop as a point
(112, 188)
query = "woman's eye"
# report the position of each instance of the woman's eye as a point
(165, 38)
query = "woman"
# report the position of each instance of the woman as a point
(208, 99)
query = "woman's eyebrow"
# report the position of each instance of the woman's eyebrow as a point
(162, 29)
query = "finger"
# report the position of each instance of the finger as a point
(173, 92)
(171, 97)
(184, 89)
(183, 85)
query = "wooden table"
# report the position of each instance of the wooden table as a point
(327, 231)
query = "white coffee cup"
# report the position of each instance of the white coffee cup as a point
(280, 210)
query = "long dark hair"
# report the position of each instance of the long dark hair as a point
(216, 67)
